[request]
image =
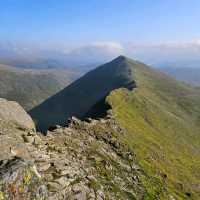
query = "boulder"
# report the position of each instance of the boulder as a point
(11, 111)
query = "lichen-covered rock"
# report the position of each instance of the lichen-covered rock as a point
(11, 111)
(20, 180)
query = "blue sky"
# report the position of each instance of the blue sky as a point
(76, 22)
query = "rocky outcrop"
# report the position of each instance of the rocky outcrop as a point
(11, 111)
(83, 160)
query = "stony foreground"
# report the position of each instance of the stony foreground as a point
(83, 160)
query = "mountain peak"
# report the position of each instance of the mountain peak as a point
(121, 58)
(125, 60)
(90, 89)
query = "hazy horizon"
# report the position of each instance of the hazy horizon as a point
(96, 31)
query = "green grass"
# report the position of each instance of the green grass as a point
(162, 119)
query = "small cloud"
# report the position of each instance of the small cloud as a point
(97, 52)
(110, 46)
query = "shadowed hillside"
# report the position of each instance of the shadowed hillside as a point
(78, 98)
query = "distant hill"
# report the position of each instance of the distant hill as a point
(160, 117)
(31, 87)
(35, 63)
(189, 75)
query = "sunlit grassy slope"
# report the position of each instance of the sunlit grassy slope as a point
(162, 119)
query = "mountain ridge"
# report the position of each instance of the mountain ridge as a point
(160, 115)
(145, 146)
(80, 96)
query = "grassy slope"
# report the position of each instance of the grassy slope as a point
(31, 87)
(162, 118)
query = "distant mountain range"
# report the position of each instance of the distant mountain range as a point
(82, 58)
(30, 87)
(189, 75)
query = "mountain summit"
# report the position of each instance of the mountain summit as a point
(79, 97)
(159, 116)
